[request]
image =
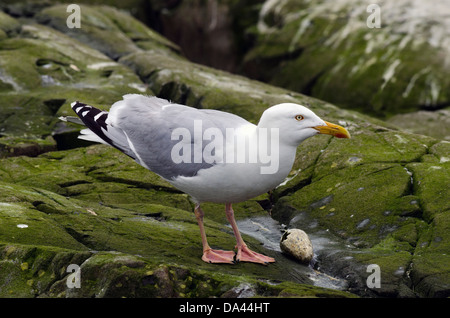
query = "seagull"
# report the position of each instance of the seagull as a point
(211, 155)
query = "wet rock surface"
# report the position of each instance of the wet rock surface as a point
(378, 198)
(333, 51)
(384, 58)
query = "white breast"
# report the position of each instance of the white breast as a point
(236, 182)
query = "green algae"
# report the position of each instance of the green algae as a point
(383, 191)
(31, 270)
(330, 53)
(43, 71)
(131, 225)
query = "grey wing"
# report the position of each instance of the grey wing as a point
(224, 120)
(160, 135)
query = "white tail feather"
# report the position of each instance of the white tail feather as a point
(87, 134)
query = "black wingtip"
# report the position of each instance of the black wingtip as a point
(78, 107)
(93, 118)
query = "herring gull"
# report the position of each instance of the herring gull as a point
(213, 156)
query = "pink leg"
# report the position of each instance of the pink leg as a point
(210, 255)
(244, 254)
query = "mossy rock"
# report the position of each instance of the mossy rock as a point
(386, 206)
(30, 270)
(383, 192)
(107, 30)
(329, 51)
(425, 122)
(45, 271)
(137, 244)
(41, 72)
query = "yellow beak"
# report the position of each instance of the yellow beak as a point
(334, 130)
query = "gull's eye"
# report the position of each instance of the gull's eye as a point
(299, 117)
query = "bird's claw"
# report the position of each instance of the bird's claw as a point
(244, 254)
(218, 256)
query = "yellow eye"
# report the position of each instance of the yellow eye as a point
(299, 117)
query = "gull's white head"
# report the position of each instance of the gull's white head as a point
(296, 123)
